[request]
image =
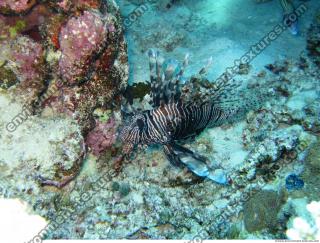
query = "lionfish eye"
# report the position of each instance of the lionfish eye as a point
(140, 124)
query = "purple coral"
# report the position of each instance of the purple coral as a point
(80, 39)
(16, 6)
(102, 137)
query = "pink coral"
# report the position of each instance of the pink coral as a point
(80, 39)
(16, 6)
(28, 56)
(102, 137)
(64, 4)
(25, 58)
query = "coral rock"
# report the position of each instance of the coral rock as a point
(261, 211)
(102, 137)
(80, 40)
(25, 58)
(29, 25)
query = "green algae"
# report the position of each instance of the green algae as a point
(102, 115)
(15, 30)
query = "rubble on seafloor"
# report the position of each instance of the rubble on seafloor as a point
(149, 198)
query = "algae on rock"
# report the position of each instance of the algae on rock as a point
(261, 211)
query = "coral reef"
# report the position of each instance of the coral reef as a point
(313, 158)
(65, 57)
(29, 24)
(72, 129)
(166, 202)
(34, 152)
(77, 5)
(92, 62)
(47, 115)
(311, 172)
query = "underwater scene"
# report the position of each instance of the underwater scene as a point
(185, 120)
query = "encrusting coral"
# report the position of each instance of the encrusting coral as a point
(80, 40)
(24, 58)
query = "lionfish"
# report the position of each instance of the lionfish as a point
(182, 110)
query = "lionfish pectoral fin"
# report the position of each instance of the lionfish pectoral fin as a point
(171, 156)
(179, 155)
(195, 155)
(197, 164)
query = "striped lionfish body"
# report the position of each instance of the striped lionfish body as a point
(171, 122)
(175, 118)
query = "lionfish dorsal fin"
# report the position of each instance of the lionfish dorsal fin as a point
(128, 110)
(165, 76)
(205, 68)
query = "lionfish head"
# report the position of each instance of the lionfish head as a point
(131, 132)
